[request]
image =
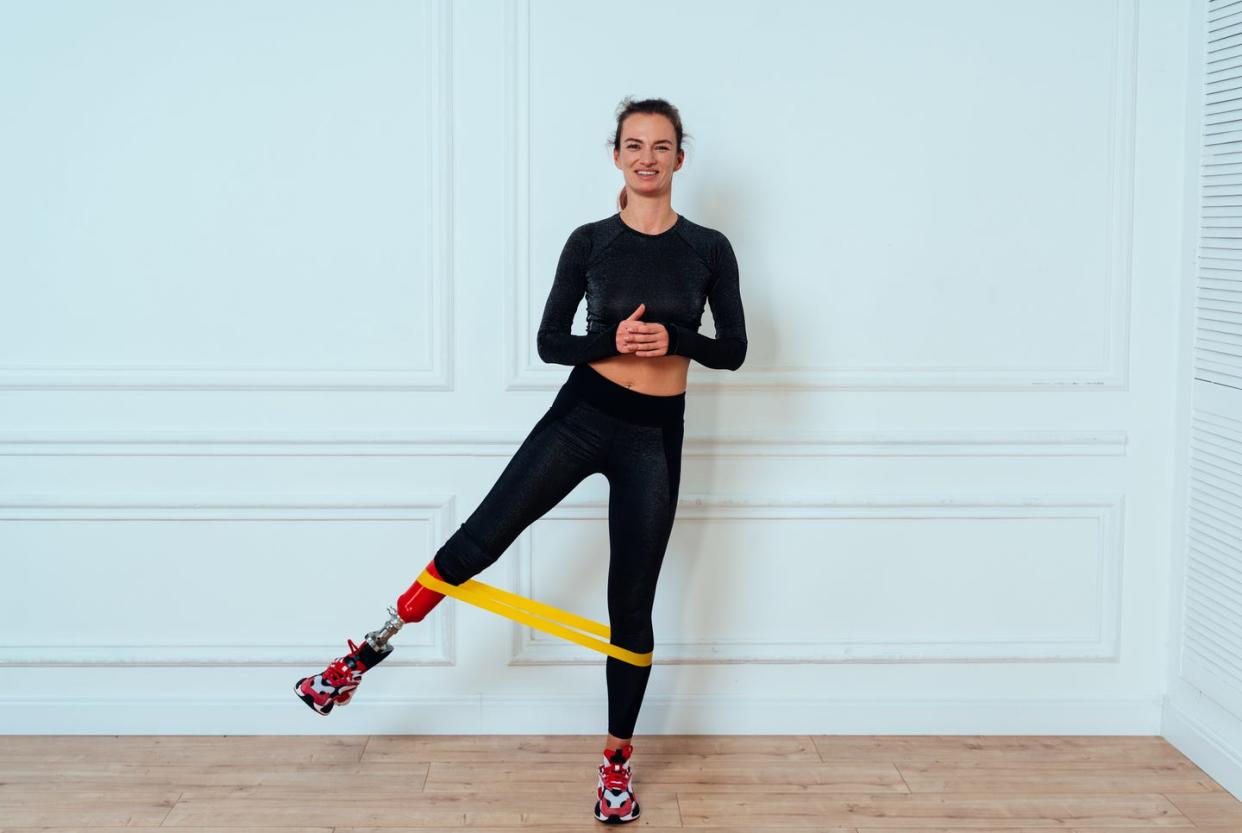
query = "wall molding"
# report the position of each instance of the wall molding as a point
(530, 647)
(435, 375)
(568, 713)
(458, 443)
(436, 511)
(526, 372)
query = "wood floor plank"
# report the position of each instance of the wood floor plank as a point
(675, 776)
(930, 812)
(275, 807)
(593, 826)
(1131, 830)
(102, 775)
(175, 829)
(1055, 777)
(990, 748)
(1043, 829)
(28, 805)
(540, 749)
(1215, 810)
(183, 749)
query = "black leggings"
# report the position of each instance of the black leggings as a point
(634, 440)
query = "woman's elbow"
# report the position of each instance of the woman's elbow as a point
(543, 347)
(738, 355)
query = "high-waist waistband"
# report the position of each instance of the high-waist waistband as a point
(621, 402)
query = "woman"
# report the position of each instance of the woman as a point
(647, 273)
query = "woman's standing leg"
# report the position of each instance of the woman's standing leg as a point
(644, 472)
(644, 477)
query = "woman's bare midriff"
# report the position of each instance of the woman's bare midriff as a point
(653, 375)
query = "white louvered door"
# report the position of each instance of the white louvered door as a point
(1211, 623)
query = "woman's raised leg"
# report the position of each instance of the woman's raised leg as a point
(566, 445)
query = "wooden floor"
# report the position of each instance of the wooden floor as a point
(832, 783)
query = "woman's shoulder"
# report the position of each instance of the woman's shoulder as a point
(595, 235)
(592, 229)
(706, 240)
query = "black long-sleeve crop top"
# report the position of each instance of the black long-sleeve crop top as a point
(674, 273)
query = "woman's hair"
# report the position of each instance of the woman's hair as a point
(653, 106)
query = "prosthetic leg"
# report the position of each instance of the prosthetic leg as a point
(335, 685)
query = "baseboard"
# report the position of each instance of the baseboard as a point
(1188, 727)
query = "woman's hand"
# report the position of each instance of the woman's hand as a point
(641, 339)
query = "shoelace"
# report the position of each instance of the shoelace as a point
(615, 776)
(339, 672)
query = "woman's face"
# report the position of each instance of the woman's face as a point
(648, 144)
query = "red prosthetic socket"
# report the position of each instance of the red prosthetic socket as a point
(418, 601)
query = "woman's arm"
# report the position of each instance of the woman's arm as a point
(555, 343)
(727, 350)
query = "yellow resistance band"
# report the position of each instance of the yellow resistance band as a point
(520, 609)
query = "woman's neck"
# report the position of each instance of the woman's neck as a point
(650, 216)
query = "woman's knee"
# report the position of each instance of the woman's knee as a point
(463, 556)
(633, 634)
(630, 606)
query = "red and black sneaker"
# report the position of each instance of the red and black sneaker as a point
(615, 802)
(335, 685)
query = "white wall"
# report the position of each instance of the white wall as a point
(271, 280)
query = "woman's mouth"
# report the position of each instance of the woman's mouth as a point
(647, 174)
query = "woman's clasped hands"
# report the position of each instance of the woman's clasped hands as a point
(639, 337)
